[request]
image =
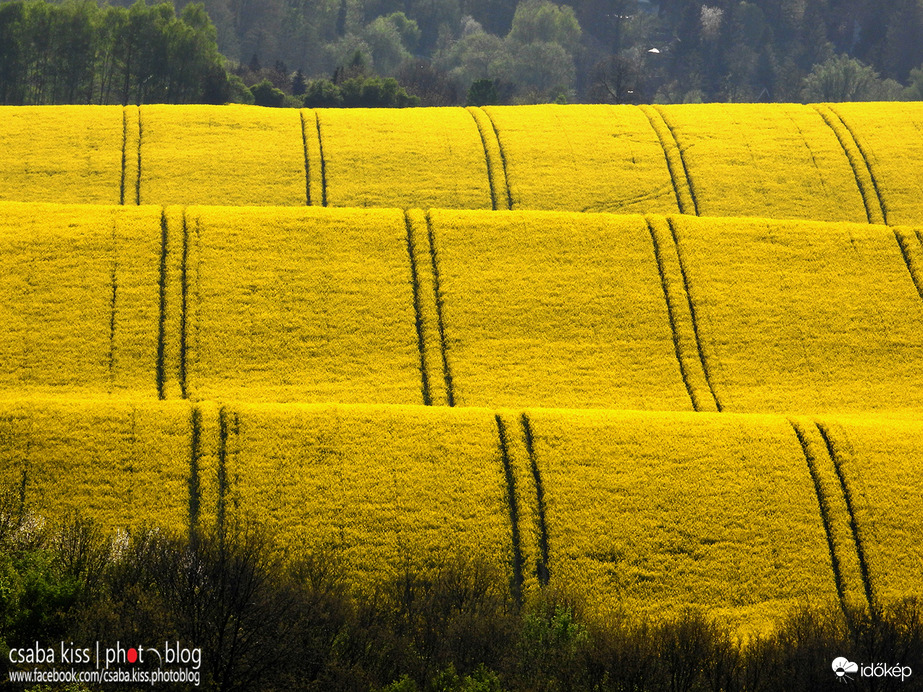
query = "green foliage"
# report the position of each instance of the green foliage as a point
(265, 94)
(540, 21)
(842, 78)
(77, 52)
(323, 93)
(483, 92)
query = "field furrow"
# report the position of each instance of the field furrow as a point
(679, 173)
(427, 309)
(500, 196)
(878, 464)
(685, 341)
(871, 197)
(891, 146)
(835, 513)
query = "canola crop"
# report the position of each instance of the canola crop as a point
(888, 148)
(81, 300)
(624, 494)
(876, 461)
(582, 158)
(840, 162)
(555, 310)
(223, 155)
(384, 488)
(504, 377)
(122, 463)
(307, 305)
(419, 157)
(777, 161)
(804, 317)
(63, 154)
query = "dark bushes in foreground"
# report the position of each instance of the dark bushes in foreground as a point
(272, 619)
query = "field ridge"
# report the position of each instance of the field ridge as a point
(837, 459)
(871, 198)
(687, 289)
(834, 512)
(440, 313)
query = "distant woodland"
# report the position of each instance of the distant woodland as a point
(456, 52)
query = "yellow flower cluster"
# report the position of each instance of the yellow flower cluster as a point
(890, 148)
(554, 309)
(418, 157)
(841, 162)
(236, 155)
(583, 158)
(386, 488)
(289, 304)
(652, 512)
(778, 160)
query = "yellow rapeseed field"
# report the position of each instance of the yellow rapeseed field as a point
(288, 304)
(81, 300)
(878, 462)
(238, 155)
(418, 157)
(648, 513)
(773, 160)
(890, 148)
(583, 158)
(384, 488)
(120, 463)
(64, 154)
(804, 317)
(708, 396)
(554, 309)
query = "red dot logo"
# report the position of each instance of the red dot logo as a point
(132, 655)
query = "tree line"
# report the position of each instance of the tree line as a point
(78, 52)
(456, 52)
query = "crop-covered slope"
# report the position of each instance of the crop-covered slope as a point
(298, 305)
(419, 157)
(122, 464)
(80, 287)
(805, 317)
(560, 310)
(581, 158)
(834, 162)
(64, 154)
(221, 155)
(460, 308)
(639, 513)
